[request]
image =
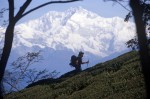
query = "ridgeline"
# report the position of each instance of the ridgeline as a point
(119, 78)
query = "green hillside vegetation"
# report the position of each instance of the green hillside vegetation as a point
(119, 78)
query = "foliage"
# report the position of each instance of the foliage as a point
(128, 16)
(146, 14)
(119, 78)
(133, 44)
(23, 73)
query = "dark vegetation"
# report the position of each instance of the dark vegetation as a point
(119, 78)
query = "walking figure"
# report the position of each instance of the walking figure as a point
(77, 61)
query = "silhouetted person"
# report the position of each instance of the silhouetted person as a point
(79, 62)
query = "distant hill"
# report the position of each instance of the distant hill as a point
(119, 78)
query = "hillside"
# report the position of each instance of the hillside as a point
(119, 78)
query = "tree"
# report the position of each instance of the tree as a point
(138, 11)
(9, 33)
(141, 13)
(133, 43)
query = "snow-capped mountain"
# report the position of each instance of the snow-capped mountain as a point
(61, 34)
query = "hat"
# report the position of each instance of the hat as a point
(81, 52)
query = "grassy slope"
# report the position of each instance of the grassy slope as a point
(120, 78)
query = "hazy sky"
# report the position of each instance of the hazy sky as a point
(104, 9)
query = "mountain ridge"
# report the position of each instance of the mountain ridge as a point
(79, 28)
(60, 34)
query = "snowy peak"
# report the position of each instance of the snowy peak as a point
(76, 29)
(53, 18)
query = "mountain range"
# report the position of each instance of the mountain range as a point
(61, 34)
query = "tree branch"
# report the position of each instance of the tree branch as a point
(123, 6)
(22, 9)
(11, 10)
(119, 4)
(51, 2)
(12, 86)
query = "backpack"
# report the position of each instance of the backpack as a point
(73, 60)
